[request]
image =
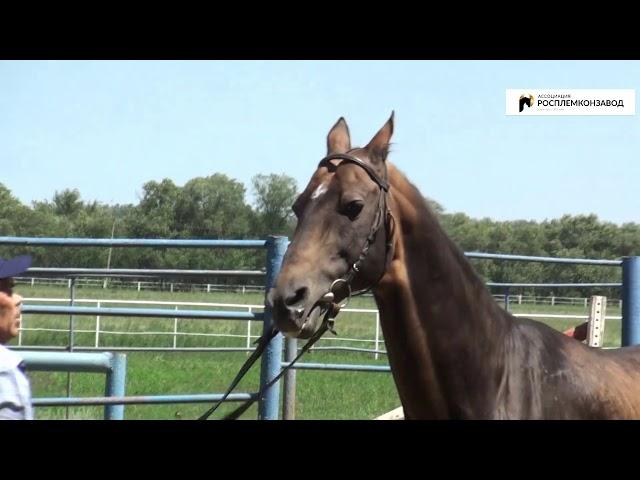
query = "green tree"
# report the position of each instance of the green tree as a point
(13, 213)
(154, 216)
(212, 207)
(67, 202)
(274, 195)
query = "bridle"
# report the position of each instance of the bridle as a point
(383, 217)
(327, 301)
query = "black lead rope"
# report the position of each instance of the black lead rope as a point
(243, 408)
(263, 342)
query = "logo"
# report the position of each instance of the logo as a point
(528, 101)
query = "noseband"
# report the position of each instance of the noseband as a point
(327, 301)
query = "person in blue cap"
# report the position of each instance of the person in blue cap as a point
(15, 390)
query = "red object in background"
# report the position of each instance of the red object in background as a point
(579, 332)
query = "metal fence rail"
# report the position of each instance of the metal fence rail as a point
(131, 242)
(141, 400)
(143, 312)
(270, 366)
(271, 362)
(528, 258)
(140, 272)
(113, 365)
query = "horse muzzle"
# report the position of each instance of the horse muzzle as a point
(298, 319)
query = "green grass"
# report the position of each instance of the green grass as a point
(319, 394)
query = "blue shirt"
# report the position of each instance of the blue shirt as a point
(15, 390)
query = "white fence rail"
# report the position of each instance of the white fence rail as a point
(176, 333)
(551, 300)
(374, 343)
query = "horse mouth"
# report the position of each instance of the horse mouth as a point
(304, 321)
(309, 328)
(302, 324)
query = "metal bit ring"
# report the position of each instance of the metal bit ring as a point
(348, 297)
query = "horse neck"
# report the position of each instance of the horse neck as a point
(441, 325)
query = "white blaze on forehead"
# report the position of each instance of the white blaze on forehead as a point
(322, 189)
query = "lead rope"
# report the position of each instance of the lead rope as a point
(327, 324)
(263, 341)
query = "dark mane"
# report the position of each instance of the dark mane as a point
(446, 249)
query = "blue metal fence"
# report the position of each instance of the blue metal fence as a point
(130, 242)
(142, 312)
(630, 285)
(272, 361)
(114, 365)
(115, 401)
(631, 301)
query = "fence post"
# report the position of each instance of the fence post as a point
(249, 331)
(377, 335)
(115, 386)
(289, 401)
(630, 301)
(272, 356)
(72, 297)
(175, 330)
(506, 299)
(595, 326)
(98, 327)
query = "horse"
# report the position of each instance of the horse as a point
(528, 101)
(454, 352)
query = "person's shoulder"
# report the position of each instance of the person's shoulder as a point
(8, 359)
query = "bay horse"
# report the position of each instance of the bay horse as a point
(454, 352)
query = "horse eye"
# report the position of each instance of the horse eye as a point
(353, 209)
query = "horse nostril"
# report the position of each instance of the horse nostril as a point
(297, 298)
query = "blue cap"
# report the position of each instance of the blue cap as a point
(14, 266)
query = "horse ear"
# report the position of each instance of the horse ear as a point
(339, 140)
(378, 147)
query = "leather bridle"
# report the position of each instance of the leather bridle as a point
(327, 301)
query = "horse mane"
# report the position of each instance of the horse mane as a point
(450, 253)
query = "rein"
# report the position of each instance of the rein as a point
(383, 217)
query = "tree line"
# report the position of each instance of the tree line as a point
(216, 207)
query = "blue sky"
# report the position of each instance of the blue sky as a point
(107, 127)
